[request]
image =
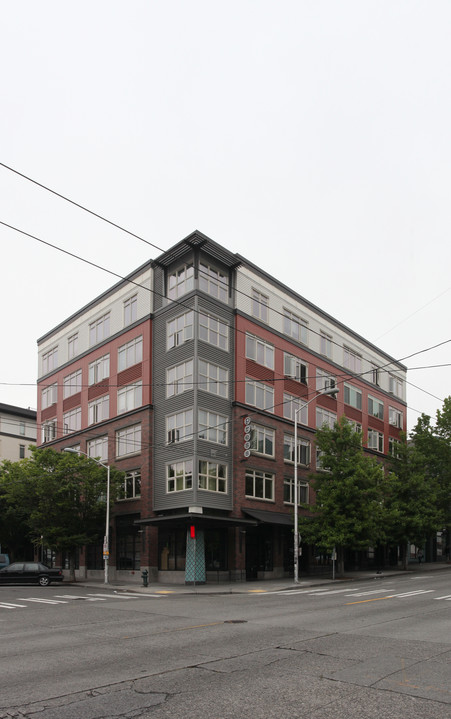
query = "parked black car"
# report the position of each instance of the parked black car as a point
(30, 573)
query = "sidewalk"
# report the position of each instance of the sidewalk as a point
(268, 585)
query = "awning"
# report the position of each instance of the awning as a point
(269, 517)
(200, 519)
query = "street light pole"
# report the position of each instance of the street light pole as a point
(106, 540)
(327, 391)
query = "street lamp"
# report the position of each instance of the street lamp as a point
(327, 391)
(106, 545)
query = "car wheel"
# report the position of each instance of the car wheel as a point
(44, 581)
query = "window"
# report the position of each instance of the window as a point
(395, 385)
(50, 360)
(130, 353)
(295, 368)
(295, 407)
(375, 440)
(324, 417)
(21, 451)
(99, 369)
(395, 417)
(132, 485)
(295, 327)
(212, 427)
(179, 476)
(374, 374)
(22, 428)
(260, 305)
(351, 360)
(180, 282)
(260, 351)
(179, 427)
(288, 492)
(98, 448)
(130, 310)
(128, 440)
(72, 384)
(214, 282)
(72, 346)
(49, 396)
(259, 395)
(128, 543)
(213, 379)
(303, 450)
(214, 331)
(212, 476)
(179, 330)
(394, 447)
(99, 329)
(262, 440)
(129, 397)
(179, 378)
(352, 396)
(72, 420)
(259, 484)
(325, 344)
(324, 380)
(375, 408)
(355, 426)
(99, 409)
(48, 430)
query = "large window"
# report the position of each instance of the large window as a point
(214, 331)
(212, 427)
(49, 396)
(325, 344)
(324, 380)
(179, 329)
(132, 485)
(99, 369)
(130, 310)
(288, 492)
(128, 440)
(260, 351)
(130, 353)
(375, 440)
(212, 476)
(179, 378)
(48, 430)
(72, 346)
(259, 485)
(259, 395)
(214, 282)
(98, 448)
(352, 360)
(129, 397)
(303, 450)
(99, 329)
(260, 305)
(295, 368)
(179, 426)
(72, 384)
(99, 409)
(395, 417)
(181, 281)
(179, 476)
(128, 543)
(262, 440)
(375, 408)
(394, 446)
(72, 420)
(295, 407)
(352, 396)
(50, 360)
(213, 378)
(295, 327)
(395, 385)
(324, 417)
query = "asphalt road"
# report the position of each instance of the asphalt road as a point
(373, 649)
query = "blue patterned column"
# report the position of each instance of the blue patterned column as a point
(195, 558)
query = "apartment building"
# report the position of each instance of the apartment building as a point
(187, 375)
(17, 432)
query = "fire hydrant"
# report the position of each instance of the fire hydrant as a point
(145, 577)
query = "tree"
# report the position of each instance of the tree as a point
(348, 511)
(58, 496)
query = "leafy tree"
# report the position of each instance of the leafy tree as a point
(58, 496)
(348, 511)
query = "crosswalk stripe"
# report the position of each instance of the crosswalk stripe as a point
(7, 605)
(446, 596)
(40, 601)
(415, 593)
(373, 591)
(115, 596)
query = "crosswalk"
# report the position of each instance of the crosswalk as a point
(67, 598)
(359, 595)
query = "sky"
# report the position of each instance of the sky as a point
(312, 137)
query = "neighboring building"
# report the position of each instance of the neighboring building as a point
(186, 376)
(17, 432)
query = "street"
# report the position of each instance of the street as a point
(375, 648)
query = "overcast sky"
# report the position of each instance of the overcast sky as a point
(311, 137)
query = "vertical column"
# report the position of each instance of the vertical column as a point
(195, 557)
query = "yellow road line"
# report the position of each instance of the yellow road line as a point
(363, 601)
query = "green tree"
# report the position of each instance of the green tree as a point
(348, 511)
(59, 496)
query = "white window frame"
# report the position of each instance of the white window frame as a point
(48, 430)
(259, 305)
(130, 310)
(375, 440)
(304, 450)
(99, 329)
(72, 346)
(130, 353)
(259, 351)
(72, 383)
(132, 484)
(303, 491)
(213, 427)
(129, 397)
(374, 374)
(213, 281)
(99, 409)
(259, 394)
(393, 446)
(213, 330)
(295, 368)
(324, 380)
(295, 327)
(50, 360)
(325, 417)
(179, 378)
(267, 480)
(352, 396)
(49, 395)
(395, 417)
(98, 448)
(395, 385)
(325, 344)
(263, 440)
(128, 440)
(72, 421)
(180, 281)
(179, 329)
(295, 408)
(179, 426)
(213, 378)
(375, 407)
(183, 475)
(212, 476)
(352, 360)
(99, 369)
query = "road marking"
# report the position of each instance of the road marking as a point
(114, 596)
(364, 601)
(40, 601)
(7, 605)
(372, 591)
(414, 593)
(446, 596)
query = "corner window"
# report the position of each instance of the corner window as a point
(212, 476)
(214, 282)
(181, 281)
(212, 427)
(213, 378)
(214, 331)
(179, 330)
(179, 476)
(179, 378)
(179, 426)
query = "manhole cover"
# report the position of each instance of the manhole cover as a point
(235, 621)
